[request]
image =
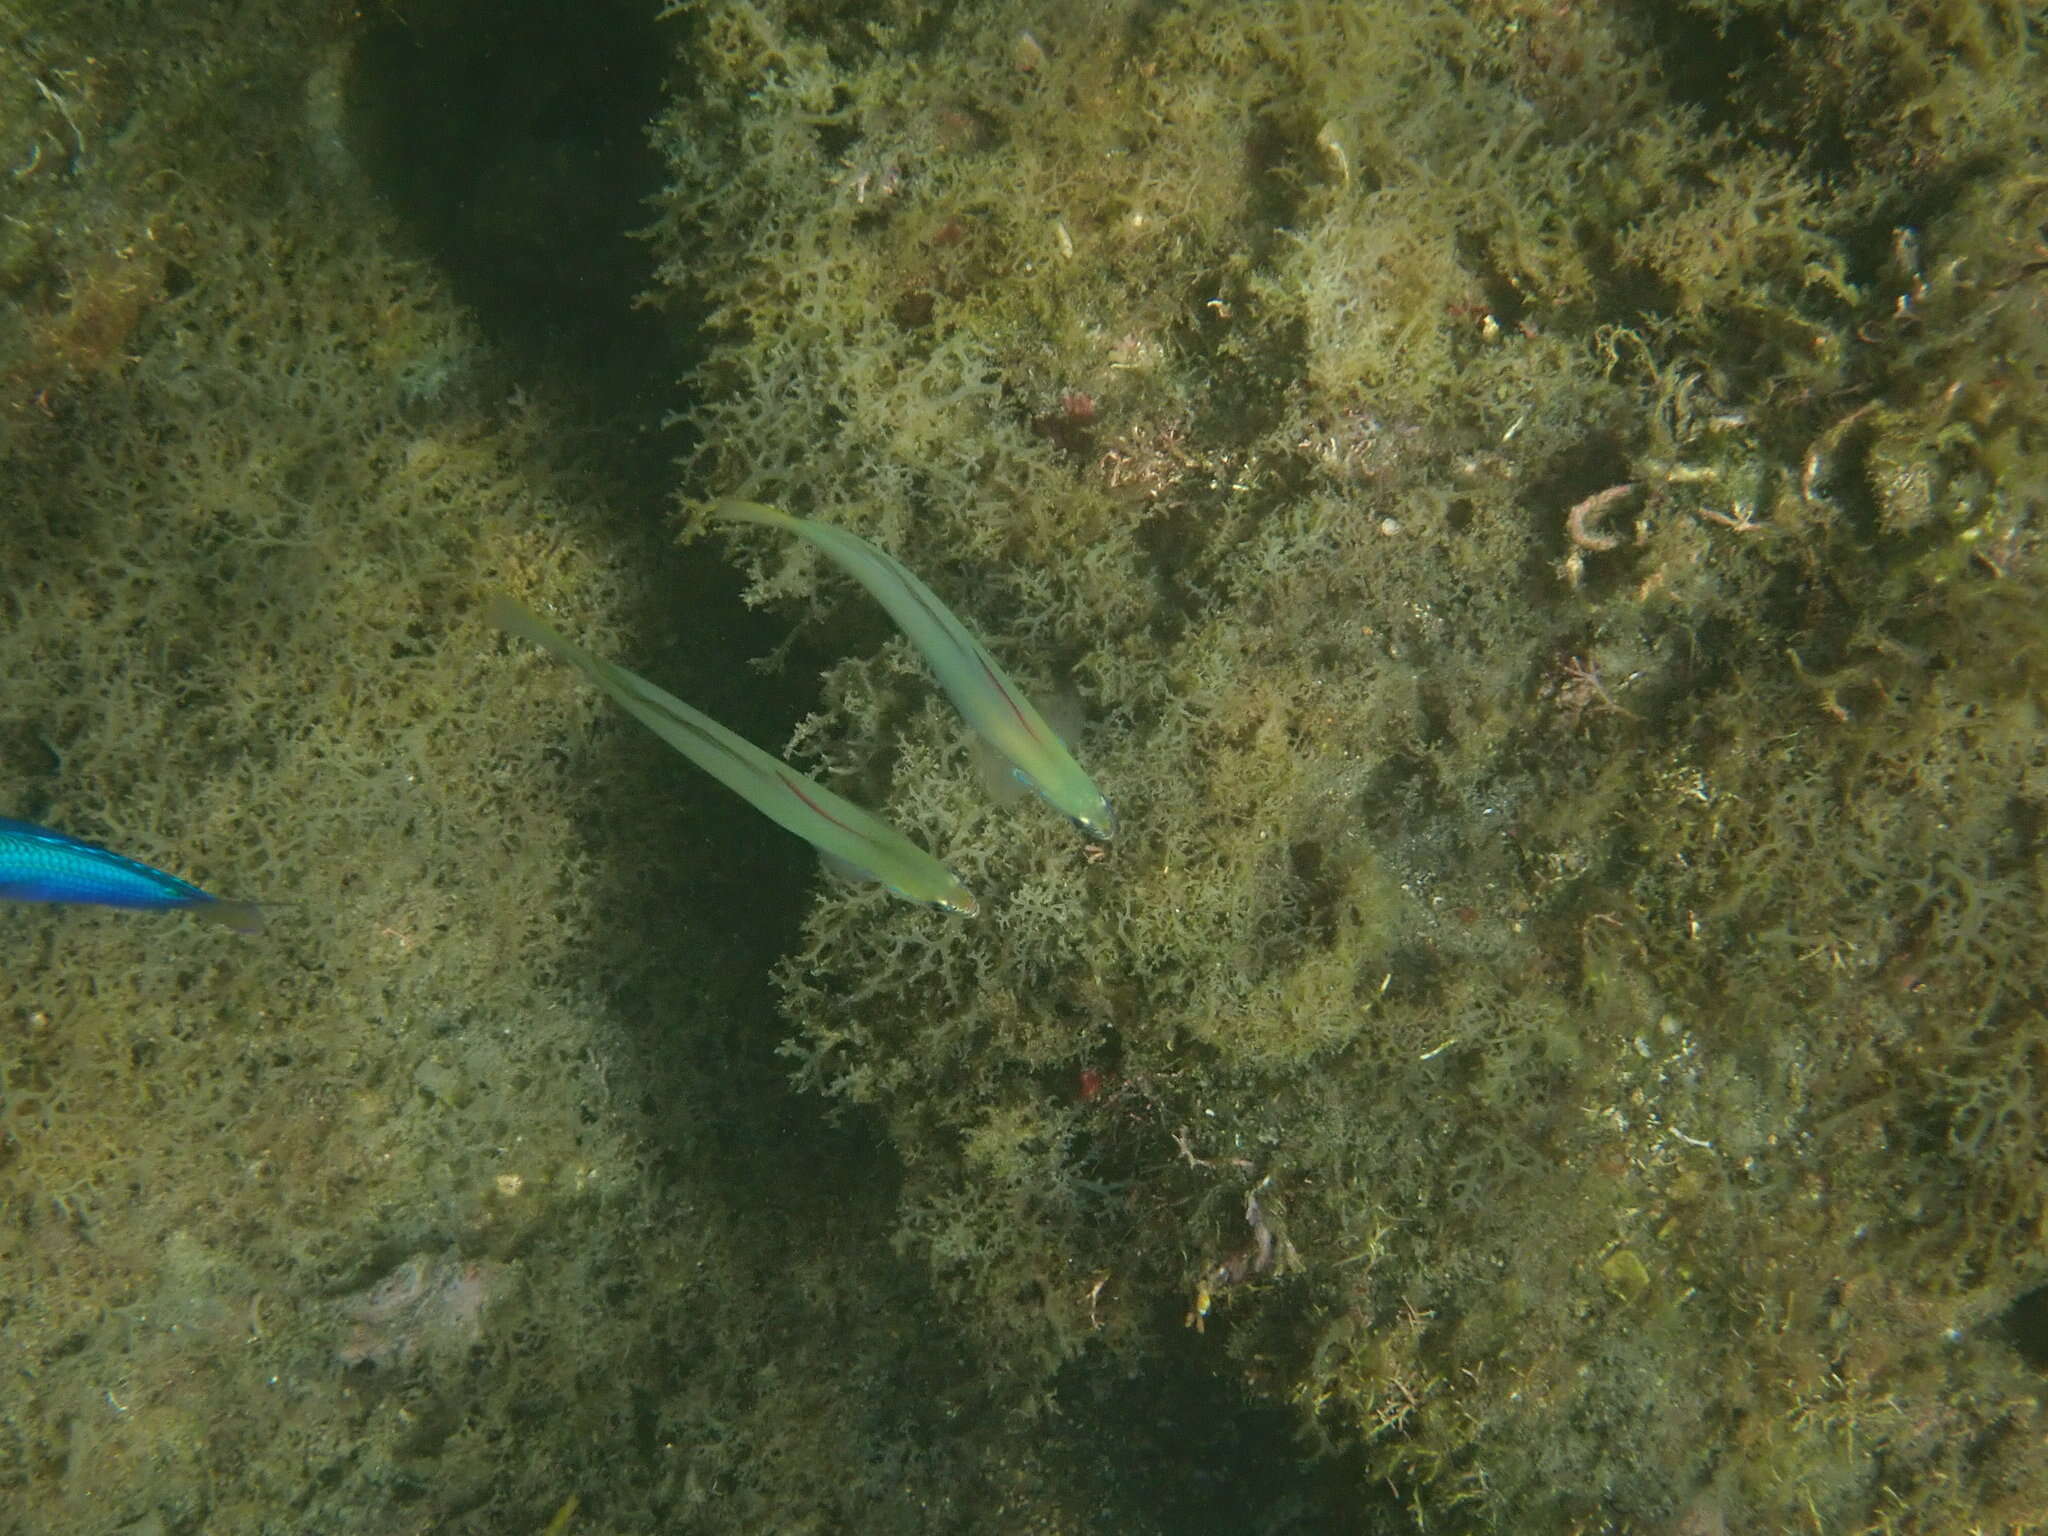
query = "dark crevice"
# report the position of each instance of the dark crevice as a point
(512, 141)
(2025, 1325)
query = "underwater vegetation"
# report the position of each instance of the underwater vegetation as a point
(1540, 508)
(1543, 507)
(475, 1182)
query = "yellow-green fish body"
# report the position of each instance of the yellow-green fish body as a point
(855, 840)
(993, 705)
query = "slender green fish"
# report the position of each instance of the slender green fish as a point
(40, 864)
(846, 835)
(983, 693)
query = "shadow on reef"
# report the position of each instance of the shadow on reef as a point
(516, 155)
(516, 152)
(1184, 1449)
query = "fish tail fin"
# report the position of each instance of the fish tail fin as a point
(515, 618)
(235, 916)
(521, 622)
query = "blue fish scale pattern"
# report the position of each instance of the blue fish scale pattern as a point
(38, 864)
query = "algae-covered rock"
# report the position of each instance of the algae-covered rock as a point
(471, 1196)
(1596, 943)
(1539, 507)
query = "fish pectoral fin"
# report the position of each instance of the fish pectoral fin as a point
(846, 869)
(1006, 786)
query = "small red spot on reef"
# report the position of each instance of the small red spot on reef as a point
(1088, 1084)
(1071, 423)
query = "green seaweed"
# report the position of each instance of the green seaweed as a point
(1560, 1028)
(1563, 924)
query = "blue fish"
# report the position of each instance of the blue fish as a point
(37, 864)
